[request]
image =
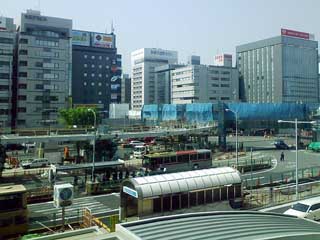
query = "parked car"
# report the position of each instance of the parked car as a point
(36, 163)
(280, 144)
(136, 143)
(13, 147)
(309, 208)
(29, 145)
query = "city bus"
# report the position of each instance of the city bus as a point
(178, 161)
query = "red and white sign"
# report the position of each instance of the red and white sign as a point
(223, 60)
(292, 33)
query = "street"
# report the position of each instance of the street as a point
(49, 216)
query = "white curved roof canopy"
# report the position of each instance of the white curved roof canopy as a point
(152, 186)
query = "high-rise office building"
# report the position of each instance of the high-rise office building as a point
(44, 69)
(7, 43)
(279, 69)
(201, 84)
(163, 82)
(96, 70)
(125, 88)
(143, 62)
(194, 60)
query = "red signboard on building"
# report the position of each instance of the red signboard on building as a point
(292, 33)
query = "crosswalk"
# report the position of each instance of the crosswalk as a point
(46, 214)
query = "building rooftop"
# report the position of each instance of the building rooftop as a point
(240, 225)
(157, 185)
(4, 190)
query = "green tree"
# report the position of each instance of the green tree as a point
(79, 116)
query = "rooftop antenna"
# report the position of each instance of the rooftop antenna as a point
(112, 28)
(39, 5)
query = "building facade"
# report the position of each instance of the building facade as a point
(201, 84)
(279, 69)
(96, 70)
(163, 83)
(44, 69)
(7, 46)
(125, 88)
(143, 62)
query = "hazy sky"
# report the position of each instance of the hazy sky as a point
(199, 27)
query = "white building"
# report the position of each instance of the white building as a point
(143, 62)
(201, 83)
(118, 110)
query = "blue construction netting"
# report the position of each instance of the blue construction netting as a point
(173, 112)
(267, 111)
(199, 112)
(150, 112)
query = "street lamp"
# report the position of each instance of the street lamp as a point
(94, 142)
(296, 122)
(236, 114)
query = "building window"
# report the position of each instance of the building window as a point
(99, 83)
(47, 43)
(85, 83)
(85, 74)
(6, 40)
(23, 41)
(100, 57)
(99, 93)
(92, 75)
(23, 74)
(85, 56)
(4, 75)
(22, 97)
(23, 52)
(92, 66)
(100, 75)
(107, 66)
(4, 100)
(107, 75)
(23, 63)
(100, 101)
(22, 86)
(100, 66)
(21, 122)
(93, 57)
(39, 86)
(107, 58)
(92, 83)
(21, 109)
(4, 87)
(85, 65)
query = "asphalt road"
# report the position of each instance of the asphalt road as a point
(46, 214)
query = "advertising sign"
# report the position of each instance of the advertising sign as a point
(102, 40)
(80, 38)
(3, 23)
(115, 86)
(292, 33)
(115, 78)
(130, 191)
(114, 96)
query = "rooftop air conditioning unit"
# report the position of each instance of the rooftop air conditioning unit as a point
(63, 195)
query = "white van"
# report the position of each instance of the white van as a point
(309, 208)
(139, 151)
(35, 163)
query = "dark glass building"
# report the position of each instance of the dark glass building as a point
(96, 70)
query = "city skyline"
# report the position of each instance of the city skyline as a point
(202, 28)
